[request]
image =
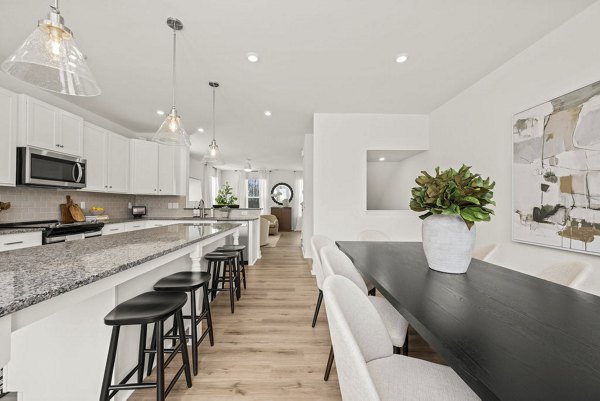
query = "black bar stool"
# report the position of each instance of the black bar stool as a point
(189, 282)
(223, 266)
(144, 309)
(241, 262)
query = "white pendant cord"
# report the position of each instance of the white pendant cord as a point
(214, 120)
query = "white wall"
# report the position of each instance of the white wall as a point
(340, 145)
(475, 128)
(386, 186)
(307, 218)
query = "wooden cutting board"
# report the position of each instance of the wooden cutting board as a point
(71, 212)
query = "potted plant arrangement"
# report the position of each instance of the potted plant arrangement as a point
(453, 201)
(225, 198)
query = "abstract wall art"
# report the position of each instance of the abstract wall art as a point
(556, 172)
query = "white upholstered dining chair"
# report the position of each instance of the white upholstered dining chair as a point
(316, 243)
(484, 252)
(570, 274)
(372, 235)
(366, 367)
(335, 262)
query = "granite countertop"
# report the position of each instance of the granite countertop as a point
(32, 275)
(190, 218)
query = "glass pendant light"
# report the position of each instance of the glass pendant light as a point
(50, 59)
(213, 155)
(171, 131)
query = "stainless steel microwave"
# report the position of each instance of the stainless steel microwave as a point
(40, 167)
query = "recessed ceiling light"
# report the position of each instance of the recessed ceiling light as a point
(268, 113)
(200, 129)
(160, 112)
(382, 159)
(252, 57)
(401, 58)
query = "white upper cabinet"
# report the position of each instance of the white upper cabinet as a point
(166, 170)
(8, 136)
(117, 163)
(48, 127)
(144, 167)
(94, 152)
(71, 133)
(107, 160)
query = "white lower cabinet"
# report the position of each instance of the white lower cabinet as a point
(110, 229)
(9, 242)
(135, 225)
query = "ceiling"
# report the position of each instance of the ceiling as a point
(315, 56)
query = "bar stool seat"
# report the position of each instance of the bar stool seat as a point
(182, 281)
(240, 250)
(146, 308)
(189, 281)
(229, 260)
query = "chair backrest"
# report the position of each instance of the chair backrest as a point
(571, 273)
(358, 336)
(484, 252)
(334, 261)
(372, 235)
(316, 243)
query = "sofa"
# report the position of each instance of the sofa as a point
(273, 223)
(264, 231)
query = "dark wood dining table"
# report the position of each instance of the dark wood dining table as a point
(508, 335)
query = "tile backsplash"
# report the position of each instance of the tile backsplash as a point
(28, 204)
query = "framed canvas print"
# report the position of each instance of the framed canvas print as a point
(556, 172)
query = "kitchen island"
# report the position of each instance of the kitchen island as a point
(55, 297)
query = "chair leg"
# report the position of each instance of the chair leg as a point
(151, 356)
(174, 341)
(373, 291)
(214, 278)
(141, 354)
(397, 350)
(184, 352)
(110, 363)
(405, 346)
(319, 300)
(160, 361)
(194, 330)
(206, 306)
(329, 364)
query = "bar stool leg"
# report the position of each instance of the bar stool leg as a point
(184, 352)
(231, 286)
(151, 356)
(194, 330)
(213, 279)
(110, 363)
(238, 287)
(160, 361)
(243, 267)
(206, 307)
(141, 354)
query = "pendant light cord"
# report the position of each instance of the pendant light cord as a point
(55, 7)
(214, 121)
(174, 63)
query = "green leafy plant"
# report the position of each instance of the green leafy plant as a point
(460, 193)
(225, 196)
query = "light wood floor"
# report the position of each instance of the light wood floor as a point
(268, 350)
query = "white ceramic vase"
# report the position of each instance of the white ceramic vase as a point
(448, 243)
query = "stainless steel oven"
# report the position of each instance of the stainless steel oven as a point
(40, 167)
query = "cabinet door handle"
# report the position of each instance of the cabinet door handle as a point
(110, 186)
(58, 145)
(13, 243)
(62, 146)
(113, 229)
